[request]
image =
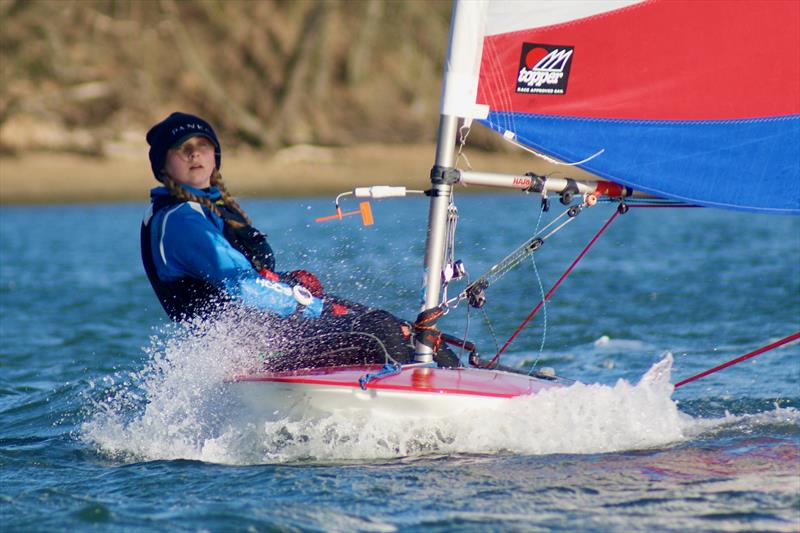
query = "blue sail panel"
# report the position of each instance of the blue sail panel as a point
(750, 165)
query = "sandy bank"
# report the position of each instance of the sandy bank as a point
(295, 171)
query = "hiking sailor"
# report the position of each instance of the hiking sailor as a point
(198, 246)
(201, 252)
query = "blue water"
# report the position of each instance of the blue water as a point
(110, 419)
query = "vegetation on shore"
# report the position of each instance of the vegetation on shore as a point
(89, 76)
(308, 96)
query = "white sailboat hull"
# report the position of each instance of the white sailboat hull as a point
(413, 392)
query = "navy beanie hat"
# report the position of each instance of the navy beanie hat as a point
(175, 130)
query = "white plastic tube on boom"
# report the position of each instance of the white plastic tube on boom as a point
(377, 192)
(383, 191)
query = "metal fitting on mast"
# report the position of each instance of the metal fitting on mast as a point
(445, 175)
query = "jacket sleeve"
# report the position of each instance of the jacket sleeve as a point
(192, 245)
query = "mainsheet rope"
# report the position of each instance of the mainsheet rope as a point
(745, 357)
(544, 307)
(552, 290)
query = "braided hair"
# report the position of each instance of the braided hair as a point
(216, 180)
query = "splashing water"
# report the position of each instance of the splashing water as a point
(180, 407)
(178, 401)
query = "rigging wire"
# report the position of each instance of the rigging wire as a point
(512, 260)
(449, 271)
(544, 306)
(499, 269)
(490, 326)
(466, 333)
(552, 290)
(463, 133)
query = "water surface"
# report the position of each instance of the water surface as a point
(114, 420)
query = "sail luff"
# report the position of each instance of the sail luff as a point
(463, 61)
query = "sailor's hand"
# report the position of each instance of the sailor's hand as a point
(310, 304)
(304, 278)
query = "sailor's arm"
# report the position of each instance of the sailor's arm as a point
(194, 247)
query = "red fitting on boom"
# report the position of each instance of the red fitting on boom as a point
(607, 188)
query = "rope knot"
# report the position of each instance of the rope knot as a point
(425, 330)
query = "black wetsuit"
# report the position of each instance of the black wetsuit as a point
(296, 332)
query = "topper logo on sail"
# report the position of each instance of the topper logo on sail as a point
(544, 68)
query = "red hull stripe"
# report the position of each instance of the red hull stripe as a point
(661, 60)
(470, 382)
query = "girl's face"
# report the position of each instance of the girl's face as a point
(192, 163)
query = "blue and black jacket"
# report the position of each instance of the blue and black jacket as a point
(194, 261)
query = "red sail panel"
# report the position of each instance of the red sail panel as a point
(659, 60)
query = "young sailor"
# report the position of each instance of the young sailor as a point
(201, 253)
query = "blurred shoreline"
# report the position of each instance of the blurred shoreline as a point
(36, 178)
(302, 170)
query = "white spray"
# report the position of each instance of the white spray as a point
(179, 407)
